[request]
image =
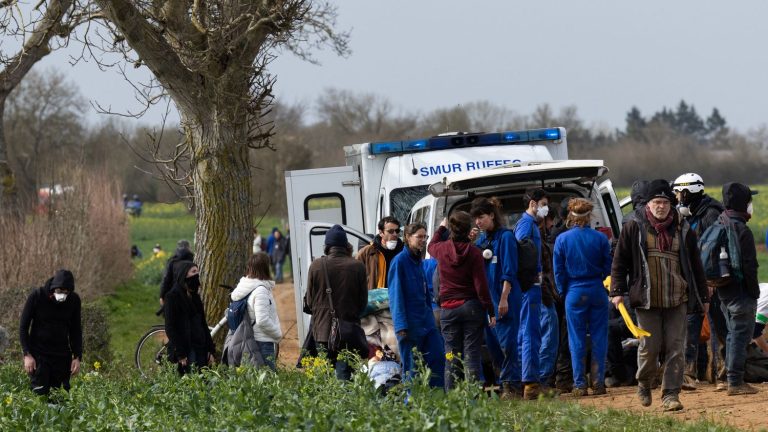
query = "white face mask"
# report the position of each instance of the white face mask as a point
(60, 297)
(684, 211)
(749, 209)
(542, 212)
(391, 244)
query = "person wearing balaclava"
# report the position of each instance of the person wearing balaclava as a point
(189, 340)
(51, 333)
(738, 299)
(379, 253)
(657, 265)
(701, 211)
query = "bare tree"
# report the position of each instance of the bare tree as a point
(211, 58)
(34, 32)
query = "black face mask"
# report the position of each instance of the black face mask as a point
(193, 283)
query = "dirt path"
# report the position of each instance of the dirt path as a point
(745, 412)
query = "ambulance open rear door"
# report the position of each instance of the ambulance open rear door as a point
(325, 195)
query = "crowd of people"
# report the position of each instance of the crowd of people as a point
(532, 297)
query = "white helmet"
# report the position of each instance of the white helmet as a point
(691, 182)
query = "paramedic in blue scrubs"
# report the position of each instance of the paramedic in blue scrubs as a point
(582, 261)
(536, 202)
(499, 249)
(410, 302)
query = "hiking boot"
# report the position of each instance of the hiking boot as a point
(721, 386)
(564, 388)
(579, 392)
(741, 389)
(671, 403)
(599, 390)
(644, 395)
(531, 391)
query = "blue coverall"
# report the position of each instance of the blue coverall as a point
(411, 306)
(582, 259)
(529, 336)
(503, 267)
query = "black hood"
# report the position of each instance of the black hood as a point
(638, 193)
(704, 203)
(183, 254)
(180, 270)
(62, 279)
(736, 196)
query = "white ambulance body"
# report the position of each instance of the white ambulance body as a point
(561, 179)
(388, 178)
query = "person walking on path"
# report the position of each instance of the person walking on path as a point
(582, 259)
(410, 302)
(657, 264)
(51, 334)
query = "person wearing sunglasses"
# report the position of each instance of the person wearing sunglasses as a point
(380, 252)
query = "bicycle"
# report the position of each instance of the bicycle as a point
(152, 349)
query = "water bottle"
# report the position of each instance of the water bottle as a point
(725, 265)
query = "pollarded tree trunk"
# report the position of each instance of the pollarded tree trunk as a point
(222, 196)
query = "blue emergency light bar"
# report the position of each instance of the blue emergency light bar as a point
(465, 140)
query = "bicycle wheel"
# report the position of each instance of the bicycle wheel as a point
(151, 351)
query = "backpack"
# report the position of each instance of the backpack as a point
(236, 311)
(719, 235)
(527, 262)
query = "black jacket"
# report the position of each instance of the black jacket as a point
(704, 213)
(179, 255)
(185, 322)
(749, 264)
(55, 330)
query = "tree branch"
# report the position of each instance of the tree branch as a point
(155, 52)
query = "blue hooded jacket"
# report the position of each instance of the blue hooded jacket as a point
(503, 265)
(409, 301)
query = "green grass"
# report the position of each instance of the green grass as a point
(251, 399)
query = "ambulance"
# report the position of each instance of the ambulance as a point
(423, 180)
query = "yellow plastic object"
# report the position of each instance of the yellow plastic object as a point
(636, 331)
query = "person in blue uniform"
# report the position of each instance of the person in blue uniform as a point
(582, 259)
(499, 249)
(536, 202)
(410, 302)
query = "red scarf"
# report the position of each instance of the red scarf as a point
(661, 227)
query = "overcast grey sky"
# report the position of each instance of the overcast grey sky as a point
(602, 56)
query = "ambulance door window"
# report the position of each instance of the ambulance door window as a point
(325, 207)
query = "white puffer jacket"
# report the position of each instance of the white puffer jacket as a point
(262, 310)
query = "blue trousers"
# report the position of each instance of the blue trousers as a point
(586, 309)
(529, 335)
(550, 335)
(501, 340)
(431, 347)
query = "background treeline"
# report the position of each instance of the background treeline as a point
(49, 135)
